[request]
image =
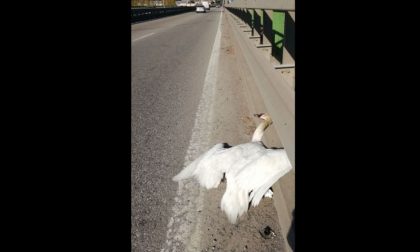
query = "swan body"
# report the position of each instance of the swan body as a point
(209, 167)
(250, 170)
(252, 181)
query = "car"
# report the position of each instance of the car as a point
(200, 8)
(206, 5)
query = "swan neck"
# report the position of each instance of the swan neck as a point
(259, 131)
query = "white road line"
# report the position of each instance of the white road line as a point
(183, 229)
(144, 36)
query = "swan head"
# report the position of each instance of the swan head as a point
(264, 116)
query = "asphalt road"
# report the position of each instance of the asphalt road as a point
(170, 57)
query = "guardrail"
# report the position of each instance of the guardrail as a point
(142, 14)
(286, 5)
(270, 23)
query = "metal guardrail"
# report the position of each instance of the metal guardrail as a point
(271, 21)
(285, 5)
(141, 14)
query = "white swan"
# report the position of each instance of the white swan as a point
(210, 166)
(250, 170)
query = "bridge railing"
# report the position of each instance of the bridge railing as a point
(142, 14)
(273, 23)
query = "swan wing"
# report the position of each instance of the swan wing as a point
(208, 168)
(190, 169)
(258, 176)
(235, 201)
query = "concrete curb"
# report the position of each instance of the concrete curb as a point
(269, 91)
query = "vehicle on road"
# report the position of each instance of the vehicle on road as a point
(200, 8)
(206, 4)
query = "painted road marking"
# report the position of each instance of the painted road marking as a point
(144, 36)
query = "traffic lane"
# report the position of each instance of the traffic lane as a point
(147, 28)
(159, 25)
(168, 71)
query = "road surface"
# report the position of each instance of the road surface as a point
(170, 57)
(189, 93)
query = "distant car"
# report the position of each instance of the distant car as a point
(200, 8)
(206, 5)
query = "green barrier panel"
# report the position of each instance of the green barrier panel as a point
(278, 30)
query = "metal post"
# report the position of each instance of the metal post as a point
(252, 21)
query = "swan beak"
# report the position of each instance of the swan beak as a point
(258, 115)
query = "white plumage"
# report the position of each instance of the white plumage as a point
(250, 170)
